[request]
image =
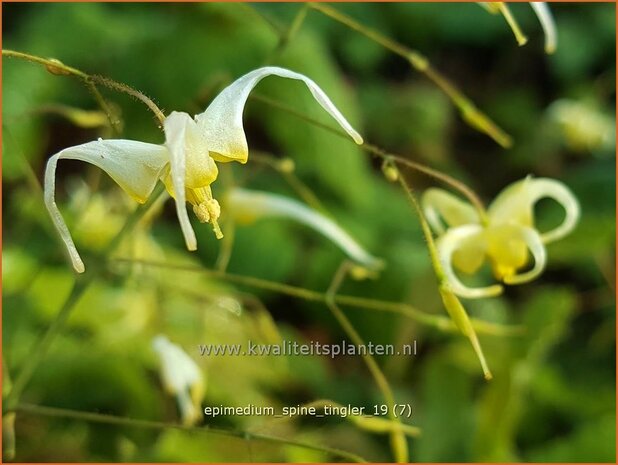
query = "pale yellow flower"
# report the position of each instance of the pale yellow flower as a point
(507, 239)
(185, 163)
(182, 378)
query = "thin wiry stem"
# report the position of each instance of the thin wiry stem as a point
(383, 154)
(133, 93)
(399, 443)
(436, 321)
(469, 112)
(453, 305)
(286, 36)
(285, 168)
(58, 68)
(158, 425)
(270, 22)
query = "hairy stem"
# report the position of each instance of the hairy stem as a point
(58, 68)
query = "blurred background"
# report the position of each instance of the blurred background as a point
(553, 394)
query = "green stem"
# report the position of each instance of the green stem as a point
(383, 154)
(148, 424)
(285, 168)
(58, 68)
(469, 112)
(436, 321)
(286, 36)
(399, 443)
(453, 305)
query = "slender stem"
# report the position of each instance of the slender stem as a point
(436, 321)
(82, 283)
(384, 155)
(469, 112)
(453, 305)
(398, 440)
(58, 68)
(133, 93)
(285, 168)
(286, 36)
(431, 244)
(270, 22)
(43, 344)
(149, 424)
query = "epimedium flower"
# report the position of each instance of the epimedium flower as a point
(507, 237)
(186, 162)
(181, 377)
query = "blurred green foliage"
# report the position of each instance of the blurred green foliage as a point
(553, 394)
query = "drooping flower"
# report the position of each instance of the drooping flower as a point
(182, 378)
(506, 238)
(247, 205)
(185, 163)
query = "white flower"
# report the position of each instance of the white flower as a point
(247, 205)
(185, 163)
(181, 377)
(504, 239)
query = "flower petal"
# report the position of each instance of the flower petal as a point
(533, 240)
(247, 204)
(181, 377)
(545, 187)
(547, 23)
(175, 126)
(222, 120)
(178, 371)
(516, 204)
(451, 242)
(512, 205)
(506, 249)
(438, 203)
(134, 165)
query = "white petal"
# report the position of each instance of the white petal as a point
(135, 166)
(249, 204)
(447, 246)
(545, 187)
(547, 23)
(515, 204)
(512, 204)
(175, 136)
(439, 205)
(535, 244)
(178, 371)
(222, 120)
